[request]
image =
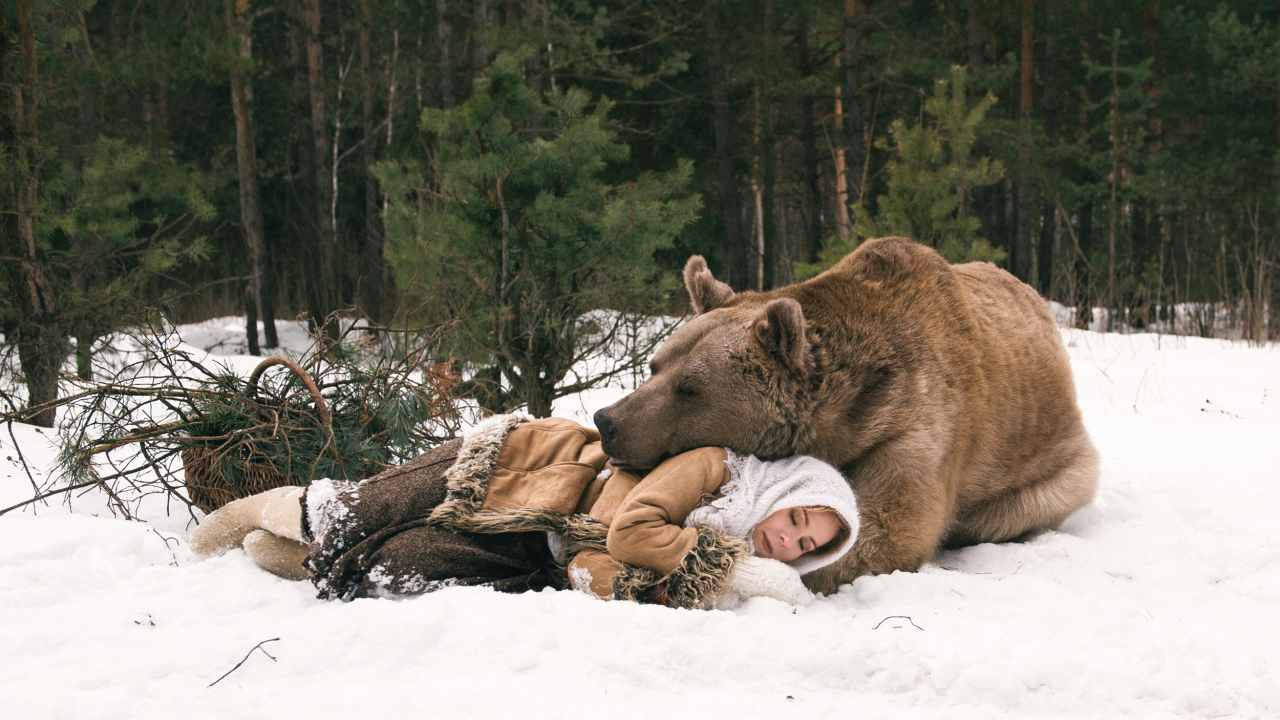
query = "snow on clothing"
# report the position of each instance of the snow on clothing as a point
(372, 538)
(480, 510)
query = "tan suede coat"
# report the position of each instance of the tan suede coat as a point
(622, 533)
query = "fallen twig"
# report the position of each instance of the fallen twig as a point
(900, 617)
(168, 540)
(49, 494)
(18, 448)
(1218, 409)
(246, 657)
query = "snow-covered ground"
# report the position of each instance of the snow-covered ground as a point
(1159, 600)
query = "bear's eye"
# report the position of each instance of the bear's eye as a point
(686, 391)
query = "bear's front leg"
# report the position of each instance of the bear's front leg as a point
(904, 508)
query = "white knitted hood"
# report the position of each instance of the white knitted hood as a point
(759, 488)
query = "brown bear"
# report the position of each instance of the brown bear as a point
(943, 393)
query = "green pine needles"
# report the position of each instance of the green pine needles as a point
(343, 411)
(521, 236)
(931, 180)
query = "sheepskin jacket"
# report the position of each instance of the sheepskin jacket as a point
(621, 533)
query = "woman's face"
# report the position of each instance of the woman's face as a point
(791, 532)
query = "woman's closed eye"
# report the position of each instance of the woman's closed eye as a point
(799, 517)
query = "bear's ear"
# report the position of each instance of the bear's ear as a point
(780, 331)
(705, 292)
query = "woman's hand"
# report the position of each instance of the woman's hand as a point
(765, 577)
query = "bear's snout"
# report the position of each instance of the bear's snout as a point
(608, 431)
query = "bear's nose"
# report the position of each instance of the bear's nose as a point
(608, 431)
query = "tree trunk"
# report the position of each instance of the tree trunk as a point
(539, 392)
(1021, 255)
(311, 210)
(9, 189)
(1009, 217)
(239, 28)
(1084, 283)
(372, 277)
(84, 355)
(479, 51)
(251, 321)
(162, 113)
(772, 253)
(841, 169)
(1083, 277)
(757, 197)
(1143, 221)
(974, 28)
(1273, 333)
(852, 101)
(417, 68)
(392, 86)
(534, 75)
(324, 285)
(444, 31)
(41, 343)
(730, 203)
(812, 206)
(1049, 208)
(1113, 210)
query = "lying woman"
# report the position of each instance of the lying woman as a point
(521, 504)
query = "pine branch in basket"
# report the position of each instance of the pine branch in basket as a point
(235, 437)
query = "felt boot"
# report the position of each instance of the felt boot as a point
(279, 511)
(277, 555)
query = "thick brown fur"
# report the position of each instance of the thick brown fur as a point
(943, 393)
(701, 580)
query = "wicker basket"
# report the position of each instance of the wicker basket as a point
(209, 492)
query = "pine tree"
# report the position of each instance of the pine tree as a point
(96, 218)
(931, 175)
(1123, 124)
(525, 237)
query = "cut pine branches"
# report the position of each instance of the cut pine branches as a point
(168, 423)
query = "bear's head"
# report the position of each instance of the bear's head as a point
(736, 375)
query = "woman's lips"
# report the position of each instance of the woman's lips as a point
(768, 546)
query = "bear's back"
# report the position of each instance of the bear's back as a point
(970, 341)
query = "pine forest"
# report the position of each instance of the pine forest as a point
(518, 181)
